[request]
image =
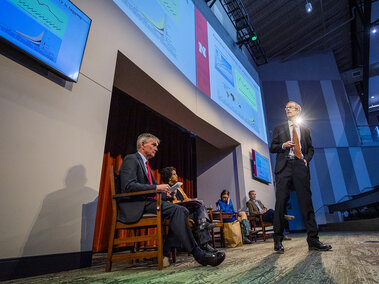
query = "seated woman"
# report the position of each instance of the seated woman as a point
(198, 214)
(226, 205)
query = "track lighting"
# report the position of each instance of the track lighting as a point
(308, 7)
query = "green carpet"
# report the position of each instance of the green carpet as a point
(354, 259)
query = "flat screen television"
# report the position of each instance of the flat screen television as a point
(261, 167)
(54, 32)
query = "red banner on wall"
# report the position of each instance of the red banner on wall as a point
(202, 60)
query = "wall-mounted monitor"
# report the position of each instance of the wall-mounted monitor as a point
(54, 32)
(261, 167)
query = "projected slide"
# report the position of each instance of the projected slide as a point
(232, 87)
(169, 24)
(183, 34)
(54, 31)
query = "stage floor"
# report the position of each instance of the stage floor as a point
(354, 259)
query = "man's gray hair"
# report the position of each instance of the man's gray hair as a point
(144, 137)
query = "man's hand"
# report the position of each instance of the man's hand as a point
(305, 163)
(163, 188)
(288, 144)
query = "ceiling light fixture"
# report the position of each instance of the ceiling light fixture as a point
(374, 30)
(308, 6)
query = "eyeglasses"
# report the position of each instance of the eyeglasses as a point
(291, 107)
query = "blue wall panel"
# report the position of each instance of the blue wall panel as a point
(315, 114)
(348, 171)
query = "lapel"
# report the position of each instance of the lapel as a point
(254, 205)
(140, 161)
(302, 138)
(287, 132)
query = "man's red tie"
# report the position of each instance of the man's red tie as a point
(295, 138)
(148, 172)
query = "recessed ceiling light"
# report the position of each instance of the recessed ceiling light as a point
(308, 7)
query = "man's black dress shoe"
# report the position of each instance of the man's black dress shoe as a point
(247, 241)
(208, 248)
(207, 226)
(278, 245)
(208, 258)
(317, 245)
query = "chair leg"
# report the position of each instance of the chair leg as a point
(263, 233)
(173, 255)
(213, 238)
(108, 266)
(160, 247)
(222, 237)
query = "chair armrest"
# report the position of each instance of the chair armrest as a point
(158, 196)
(135, 193)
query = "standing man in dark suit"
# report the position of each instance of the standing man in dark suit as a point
(292, 144)
(135, 175)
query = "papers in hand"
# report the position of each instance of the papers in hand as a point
(175, 186)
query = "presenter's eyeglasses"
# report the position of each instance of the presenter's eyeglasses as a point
(291, 107)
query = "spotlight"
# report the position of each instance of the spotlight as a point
(308, 7)
(299, 120)
(374, 30)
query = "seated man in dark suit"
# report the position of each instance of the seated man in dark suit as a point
(135, 175)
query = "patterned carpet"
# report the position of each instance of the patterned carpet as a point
(354, 259)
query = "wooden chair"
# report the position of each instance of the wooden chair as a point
(258, 226)
(147, 221)
(216, 217)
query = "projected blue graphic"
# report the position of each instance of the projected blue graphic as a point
(170, 25)
(233, 88)
(223, 66)
(53, 31)
(31, 34)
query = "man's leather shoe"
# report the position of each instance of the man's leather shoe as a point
(247, 241)
(207, 258)
(278, 245)
(317, 245)
(208, 248)
(206, 226)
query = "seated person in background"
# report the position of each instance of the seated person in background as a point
(226, 205)
(256, 208)
(198, 214)
(135, 175)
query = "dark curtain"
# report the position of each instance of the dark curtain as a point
(127, 119)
